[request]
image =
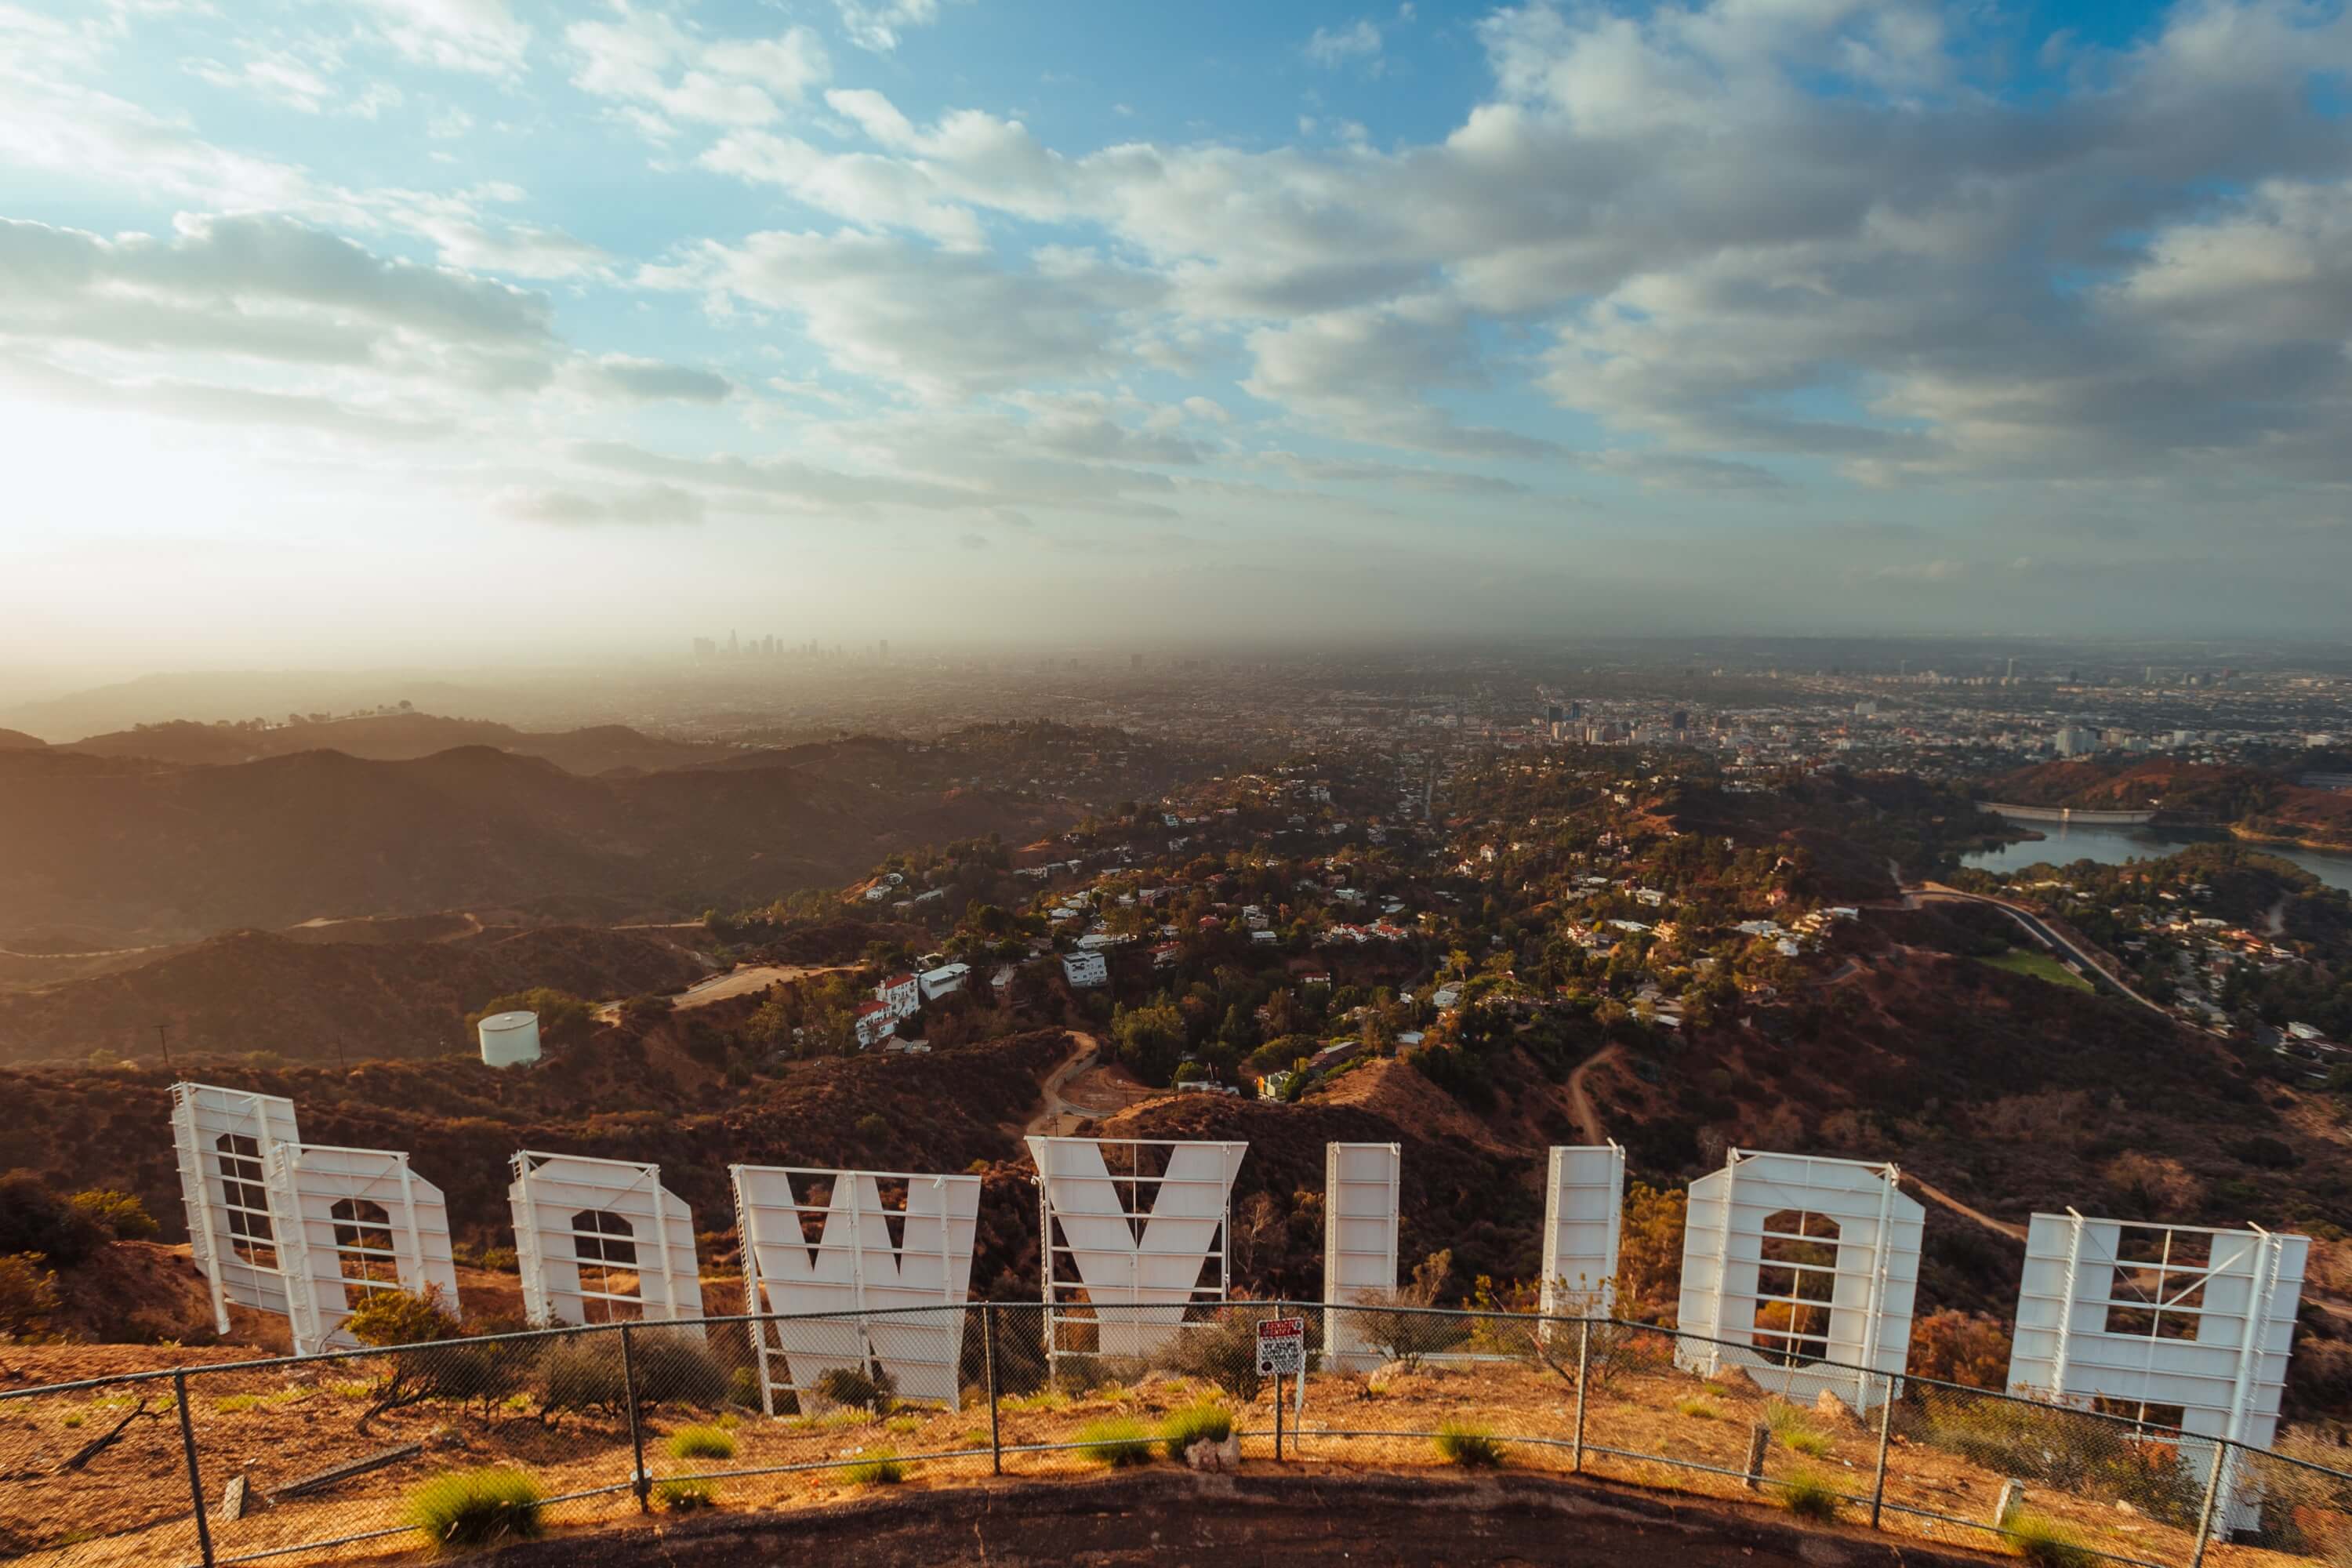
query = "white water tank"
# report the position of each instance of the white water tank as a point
(510, 1039)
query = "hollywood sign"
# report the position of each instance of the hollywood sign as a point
(1802, 1270)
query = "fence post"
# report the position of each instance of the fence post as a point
(2221, 1452)
(638, 1482)
(196, 1472)
(1278, 1418)
(988, 1359)
(1583, 1360)
(1885, 1432)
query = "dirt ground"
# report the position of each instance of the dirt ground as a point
(1249, 1520)
(1649, 1427)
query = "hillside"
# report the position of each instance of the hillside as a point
(462, 1121)
(156, 853)
(397, 737)
(17, 740)
(260, 991)
(2254, 803)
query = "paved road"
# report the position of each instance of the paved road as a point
(1935, 892)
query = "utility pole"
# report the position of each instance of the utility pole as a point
(162, 1038)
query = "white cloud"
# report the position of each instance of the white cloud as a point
(877, 24)
(268, 288)
(649, 58)
(1331, 47)
(455, 34)
(625, 375)
(942, 325)
(644, 506)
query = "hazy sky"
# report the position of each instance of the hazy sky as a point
(418, 328)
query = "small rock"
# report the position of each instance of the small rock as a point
(1385, 1376)
(1208, 1456)
(1732, 1378)
(2123, 1507)
(1830, 1407)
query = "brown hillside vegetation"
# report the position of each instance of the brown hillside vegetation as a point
(260, 991)
(397, 737)
(947, 1111)
(1456, 1193)
(135, 847)
(17, 741)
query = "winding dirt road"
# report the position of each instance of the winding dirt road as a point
(1936, 1195)
(1580, 1102)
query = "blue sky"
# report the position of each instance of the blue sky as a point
(325, 326)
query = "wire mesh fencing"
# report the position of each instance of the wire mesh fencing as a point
(472, 1441)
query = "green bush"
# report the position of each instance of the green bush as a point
(35, 1219)
(1204, 1423)
(2080, 1454)
(1116, 1440)
(869, 1389)
(28, 1295)
(743, 1389)
(584, 1372)
(580, 1376)
(686, 1495)
(1222, 1350)
(1697, 1409)
(467, 1509)
(875, 1468)
(1796, 1433)
(389, 1318)
(701, 1443)
(1472, 1447)
(1809, 1495)
(120, 1214)
(2041, 1540)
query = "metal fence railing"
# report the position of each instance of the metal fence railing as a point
(473, 1440)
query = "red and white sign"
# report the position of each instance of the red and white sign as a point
(1282, 1347)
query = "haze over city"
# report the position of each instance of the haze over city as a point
(422, 331)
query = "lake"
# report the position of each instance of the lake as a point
(2064, 842)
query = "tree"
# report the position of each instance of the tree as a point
(120, 1214)
(1150, 1039)
(28, 1295)
(1953, 1346)
(35, 1219)
(1650, 1253)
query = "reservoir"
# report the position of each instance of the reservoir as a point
(2062, 843)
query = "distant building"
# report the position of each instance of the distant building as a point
(900, 995)
(1085, 970)
(944, 981)
(873, 1024)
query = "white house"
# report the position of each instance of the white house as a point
(875, 1024)
(900, 996)
(945, 980)
(1083, 970)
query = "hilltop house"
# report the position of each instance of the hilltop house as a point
(945, 980)
(900, 996)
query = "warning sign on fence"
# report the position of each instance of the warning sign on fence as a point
(1282, 1347)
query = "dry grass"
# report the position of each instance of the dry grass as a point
(133, 1499)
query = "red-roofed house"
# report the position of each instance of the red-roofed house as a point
(900, 995)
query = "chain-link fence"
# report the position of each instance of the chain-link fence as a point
(473, 1441)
